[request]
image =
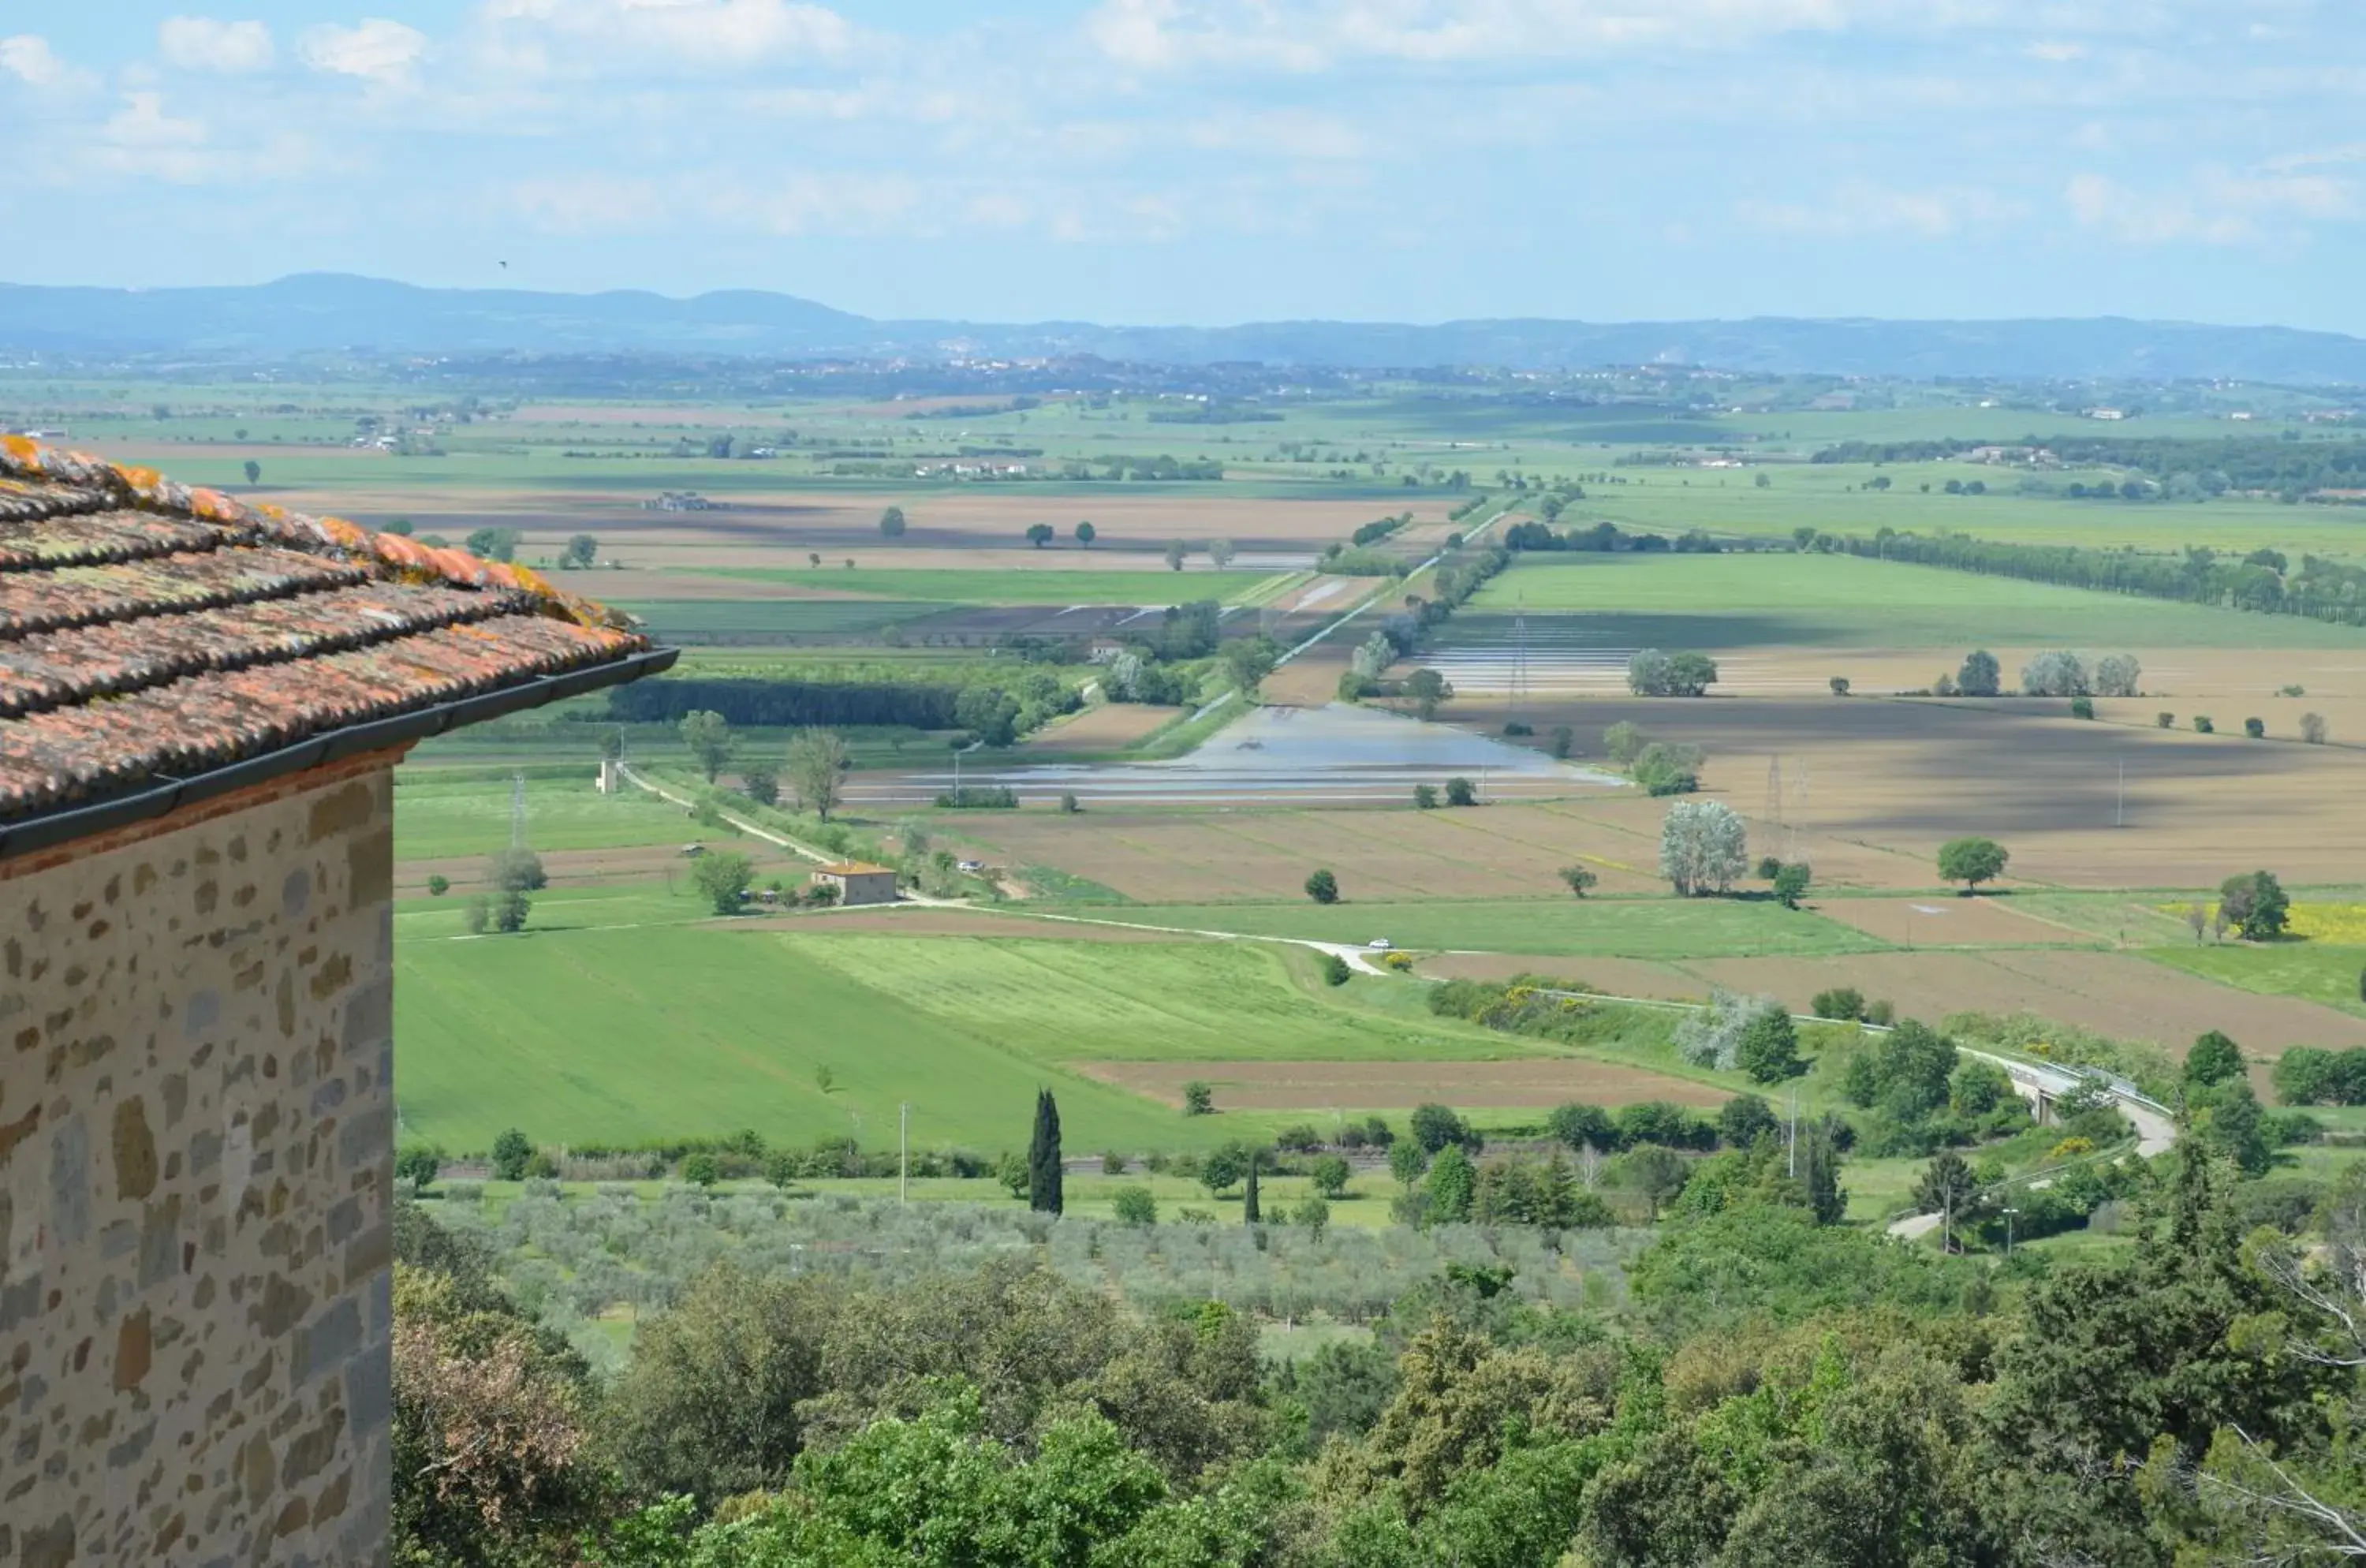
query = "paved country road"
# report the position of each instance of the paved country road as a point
(2155, 1132)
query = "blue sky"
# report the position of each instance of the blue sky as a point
(1213, 161)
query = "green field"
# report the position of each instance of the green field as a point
(1741, 600)
(721, 620)
(561, 909)
(621, 1036)
(437, 817)
(1608, 928)
(2317, 972)
(1057, 1000)
(1051, 585)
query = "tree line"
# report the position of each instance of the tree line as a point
(918, 705)
(1606, 537)
(2323, 588)
(997, 710)
(2176, 469)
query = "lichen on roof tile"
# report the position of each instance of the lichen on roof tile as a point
(150, 629)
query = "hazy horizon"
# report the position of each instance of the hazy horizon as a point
(689, 295)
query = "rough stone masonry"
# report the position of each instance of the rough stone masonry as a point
(195, 1183)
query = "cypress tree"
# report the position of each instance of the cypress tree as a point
(1044, 1194)
(1820, 1151)
(1249, 1213)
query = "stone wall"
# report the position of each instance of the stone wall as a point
(196, 1182)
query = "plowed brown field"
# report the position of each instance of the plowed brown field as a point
(1950, 922)
(1199, 857)
(1873, 788)
(2112, 993)
(1387, 1085)
(1112, 726)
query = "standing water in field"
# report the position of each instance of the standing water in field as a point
(1334, 752)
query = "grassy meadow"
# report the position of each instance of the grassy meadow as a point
(1733, 602)
(618, 1033)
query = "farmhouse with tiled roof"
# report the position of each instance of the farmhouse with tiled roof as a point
(201, 705)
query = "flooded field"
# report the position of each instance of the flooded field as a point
(1335, 752)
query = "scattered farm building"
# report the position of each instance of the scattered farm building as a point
(858, 882)
(201, 706)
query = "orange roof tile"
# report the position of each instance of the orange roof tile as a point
(150, 631)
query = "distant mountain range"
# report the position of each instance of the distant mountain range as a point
(321, 312)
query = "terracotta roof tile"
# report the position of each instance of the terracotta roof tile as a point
(147, 629)
(85, 595)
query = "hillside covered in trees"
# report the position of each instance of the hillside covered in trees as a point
(1766, 1390)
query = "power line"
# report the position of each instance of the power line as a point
(1519, 659)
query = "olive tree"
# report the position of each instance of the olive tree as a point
(2056, 673)
(2116, 675)
(1704, 847)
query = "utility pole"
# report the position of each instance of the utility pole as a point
(904, 1152)
(2008, 1214)
(1794, 1136)
(2120, 802)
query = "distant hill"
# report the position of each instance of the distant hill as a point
(319, 313)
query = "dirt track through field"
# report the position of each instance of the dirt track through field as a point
(1615, 976)
(1383, 1086)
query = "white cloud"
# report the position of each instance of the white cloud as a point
(863, 203)
(143, 122)
(203, 43)
(1276, 133)
(2055, 51)
(1861, 207)
(2217, 206)
(143, 140)
(837, 204)
(549, 35)
(2136, 219)
(2354, 152)
(375, 50)
(29, 59)
(1161, 35)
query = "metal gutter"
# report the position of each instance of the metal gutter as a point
(156, 797)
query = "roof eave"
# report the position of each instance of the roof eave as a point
(156, 797)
